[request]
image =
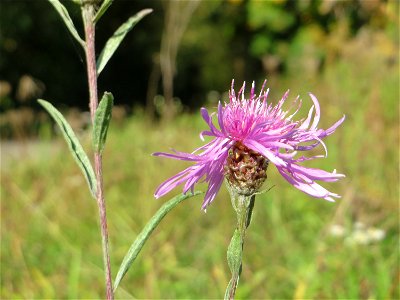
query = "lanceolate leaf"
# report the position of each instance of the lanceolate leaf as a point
(103, 8)
(63, 12)
(234, 253)
(116, 39)
(74, 146)
(144, 235)
(101, 122)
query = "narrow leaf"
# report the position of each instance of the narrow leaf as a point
(103, 8)
(101, 122)
(116, 39)
(74, 146)
(234, 253)
(63, 12)
(144, 235)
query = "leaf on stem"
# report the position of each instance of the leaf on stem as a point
(74, 146)
(234, 256)
(234, 253)
(102, 119)
(103, 8)
(116, 39)
(144, 235)
(63, 12)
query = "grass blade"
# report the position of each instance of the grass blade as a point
(116, 39)
(102, 121)
(74, 146)
(63, 12)
(103, 8)
(144, 235)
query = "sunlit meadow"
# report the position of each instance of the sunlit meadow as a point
(297, 247)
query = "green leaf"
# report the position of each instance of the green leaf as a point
(74, 146)
(102, 119)
(63, 12)
(234, 253)
(103, 8)
(116, 39)
(144, 235)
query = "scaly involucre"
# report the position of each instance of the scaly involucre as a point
(263, 128)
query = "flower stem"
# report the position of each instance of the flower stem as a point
(243, 205)
(88, 13)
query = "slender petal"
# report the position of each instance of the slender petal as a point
(261, 127)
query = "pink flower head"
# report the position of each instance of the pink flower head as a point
(263, 128)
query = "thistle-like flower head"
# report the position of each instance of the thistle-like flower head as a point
(251, 134)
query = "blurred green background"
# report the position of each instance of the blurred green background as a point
(297, 247)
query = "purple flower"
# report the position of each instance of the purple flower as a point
(260, 127)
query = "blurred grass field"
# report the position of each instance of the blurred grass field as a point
(50, 241)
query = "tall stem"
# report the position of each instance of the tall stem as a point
(88, 12)
(243, 205)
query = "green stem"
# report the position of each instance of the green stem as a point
(88, 13)
(243, 205)
(244, 213)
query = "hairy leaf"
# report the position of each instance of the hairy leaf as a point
(103, 8)
(74, 146)
(116, 39)
(234, 253)
(63, 12)
(101, 122)
(144, 235)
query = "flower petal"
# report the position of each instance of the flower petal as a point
(316, 174)
(312, 188)
(317, 112)
(254, 145)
